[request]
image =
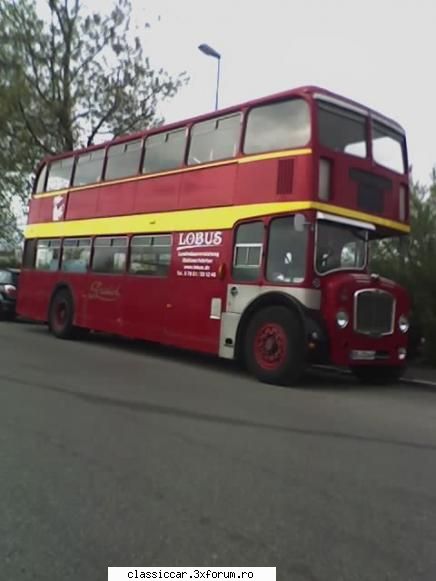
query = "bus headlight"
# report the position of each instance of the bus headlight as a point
(342, 319)
(403, 324)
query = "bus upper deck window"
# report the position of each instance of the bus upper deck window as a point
(388, 148)
(40, 180)
(123, 159)
(164, 151)
(281, 125)
(342, 130)
(214, 139)
(89, 167)
(59, 174)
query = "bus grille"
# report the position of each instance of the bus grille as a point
(374, 312)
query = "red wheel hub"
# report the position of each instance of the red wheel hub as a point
(270, 346)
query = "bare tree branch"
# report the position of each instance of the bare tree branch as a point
(102, 121)
(40, 143)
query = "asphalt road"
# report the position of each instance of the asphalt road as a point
(119, 453)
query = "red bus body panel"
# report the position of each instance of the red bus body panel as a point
(177, 310)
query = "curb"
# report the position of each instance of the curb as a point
(407, 380)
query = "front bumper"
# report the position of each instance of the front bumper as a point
(362, 350)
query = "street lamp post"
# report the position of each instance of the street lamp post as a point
(209, 51)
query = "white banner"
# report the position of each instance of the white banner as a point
(188, 573)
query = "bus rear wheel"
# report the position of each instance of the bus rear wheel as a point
(378, 375)
(61, 315)
(274, 346)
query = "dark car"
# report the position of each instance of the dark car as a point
(8, 292)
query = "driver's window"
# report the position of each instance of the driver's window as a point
(287, 252)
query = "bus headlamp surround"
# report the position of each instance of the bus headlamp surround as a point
(403, 324)
(342, 319)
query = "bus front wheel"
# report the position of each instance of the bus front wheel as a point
(61, 315)
(274, 346)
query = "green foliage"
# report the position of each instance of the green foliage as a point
(414, 265)
(9, 261)
(67, 80)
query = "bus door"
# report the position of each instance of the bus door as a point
(196, 296)
(146, 286)
(105, 288)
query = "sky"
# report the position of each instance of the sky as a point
(378, 52)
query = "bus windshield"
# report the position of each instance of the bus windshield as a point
(388, 148)
(340, 247)
(342, 130)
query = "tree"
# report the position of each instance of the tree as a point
(17, 154)
(69, 79)
(415, 269)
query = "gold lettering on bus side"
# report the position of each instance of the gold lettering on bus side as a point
(99, 292)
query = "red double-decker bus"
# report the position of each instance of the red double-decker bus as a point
(243, 233)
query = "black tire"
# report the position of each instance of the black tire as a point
(61, 315)
(274, 346)
(378, 375)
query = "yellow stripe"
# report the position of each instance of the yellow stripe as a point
(246, 159)
(274, 155)
(363, 216)
(186, 220)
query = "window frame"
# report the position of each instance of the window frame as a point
(124, 144)
(77, 240)
(153, 237)
(58, 245)
(375, 125)
(43, 168)
(216, 119)
(183, 129)
(262, 245)
(247, 245)
(308, 253)
(351, 114)
(71, 159)
(93, 249)
(77, 165)
(246, 114)
(340, 269)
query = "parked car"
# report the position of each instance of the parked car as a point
(8, 292)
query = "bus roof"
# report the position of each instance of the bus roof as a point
(309, 90)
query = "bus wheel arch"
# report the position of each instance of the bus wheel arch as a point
(271, 339)
(61, 312)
